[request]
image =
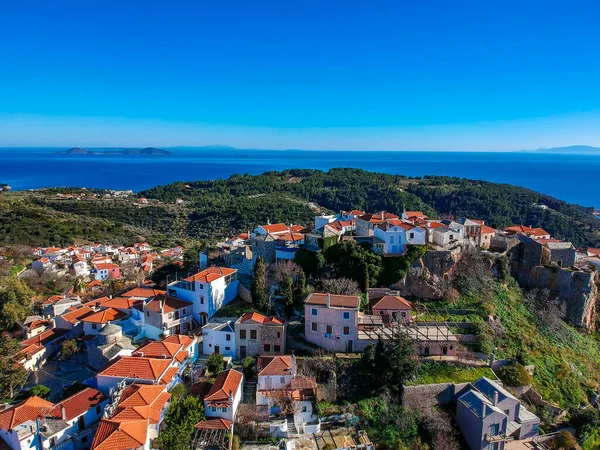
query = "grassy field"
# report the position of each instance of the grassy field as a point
(234, 309)
(432, 372)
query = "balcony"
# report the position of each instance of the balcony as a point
(170, 323)
(498, 438)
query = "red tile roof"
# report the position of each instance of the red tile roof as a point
(391, 302)
(255, 316)
(226, 382)
(122, 303)
(214, 424)
(276, 228)
(274, 365)
(24, 411)
(45, 337)
(75, 315)
(338, 301)
(169, 374)
(105, 316)
(53, 299)
(143, 292)
(169, 304)
(79, 403)
(211, 274)
(106, 266)
(487, 230)
(137, 367)
(158, 349)
(182, 339)
(120, 435)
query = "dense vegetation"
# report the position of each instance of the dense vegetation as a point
(221, 208)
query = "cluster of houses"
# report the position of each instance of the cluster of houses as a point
(125, 402)
(100, 261)
(92, 195)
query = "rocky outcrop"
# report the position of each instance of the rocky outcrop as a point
(429, 277)
(578, 289)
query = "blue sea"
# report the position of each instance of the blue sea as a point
(570, 177)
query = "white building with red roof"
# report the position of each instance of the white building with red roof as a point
(225, 395)
(105, 271)
(208, 291)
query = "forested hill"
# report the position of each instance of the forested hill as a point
(216, 209)
(499, 205)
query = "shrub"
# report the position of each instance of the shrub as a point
(249, 367)
(514, 374)
(215, 363)
(39, 391)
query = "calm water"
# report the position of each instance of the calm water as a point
(569, 177)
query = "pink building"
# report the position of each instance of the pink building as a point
(106, 271)
(331, 321)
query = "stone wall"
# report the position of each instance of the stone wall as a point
(576, 288)
(244, 293)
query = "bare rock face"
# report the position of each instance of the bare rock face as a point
(429, 277)
(577, 289)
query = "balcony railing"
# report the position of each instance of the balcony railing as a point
(170, 323)
(498, 438)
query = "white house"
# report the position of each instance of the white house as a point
(389, 238)
(415, 235)
(207, 290)
(224, 396)
(81, 268)
(275, 373)
(322, 220)
(219, 338)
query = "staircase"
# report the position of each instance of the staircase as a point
(291, 426)
(245, 267)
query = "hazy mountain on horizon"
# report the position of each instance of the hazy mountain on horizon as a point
(577, 149)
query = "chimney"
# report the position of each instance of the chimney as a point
(328, 300)
(63, 412)
(382, 215)
(230, 395)
(495, 398)
(160, 306)
(483, 408)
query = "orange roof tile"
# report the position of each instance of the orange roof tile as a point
(137, 367)
(391, 302)
(75, 315)
(274, 365)
(120, 435)
(226, 382)
(169, 374)
(122, 303)
(53, 299)
(158, 349)
(142, 401)
(27, 410)
(214, 424)
(169, 303)
(276, 228)
(487, 230)
(79, 403)
(211, 274)
(338, 301)
(45, 337)
(106, 266)
(255, 316)
(182, 339)
(105, 316)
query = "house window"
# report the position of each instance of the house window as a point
(224, 409)
(346, 331)
(201, 286)
(559, 263)
(507, 412)
(391, 239)
(267, 347)
(277, 348)
(304, 409)
(412, 235)
(402, 314)
(214, 409)
(98, 409)
(314, 326)
(170, 315)
(282, 380)
(184, 311)
(147, 313)
(227, 348)
(252, 334)
(242, 334)
(329, 329)
(228, 337)
(202, 300)
(278, 334)
(94, 326)
(346, 315)
(314, 311)
(84, 439)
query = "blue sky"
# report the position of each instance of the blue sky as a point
(469, 75)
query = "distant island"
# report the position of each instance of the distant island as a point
(116, 151)
(572, 149)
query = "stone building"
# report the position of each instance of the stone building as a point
(257, 334)
(108, 344)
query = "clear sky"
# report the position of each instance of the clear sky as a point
(437, 74)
